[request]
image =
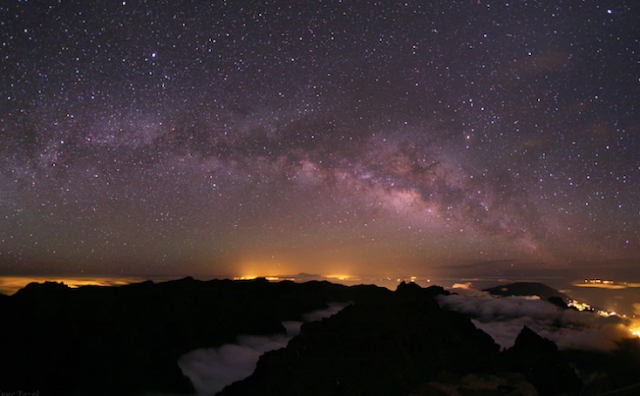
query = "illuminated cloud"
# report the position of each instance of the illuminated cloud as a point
(503, 318)
(210, 370)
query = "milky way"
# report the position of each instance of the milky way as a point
(327, 137)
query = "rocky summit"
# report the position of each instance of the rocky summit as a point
(379, 348)
(407, 345)
(127, 340)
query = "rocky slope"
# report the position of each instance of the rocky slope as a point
(406, 345)
(127, 340)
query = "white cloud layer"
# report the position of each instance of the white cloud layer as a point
(503, 318)
(211, 369)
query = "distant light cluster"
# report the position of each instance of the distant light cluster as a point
(599, 281)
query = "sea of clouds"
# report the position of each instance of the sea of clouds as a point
(211, 369)
(504, 317)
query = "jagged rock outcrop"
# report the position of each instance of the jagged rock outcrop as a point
(539, 359)
(127, 340)
(377, 348)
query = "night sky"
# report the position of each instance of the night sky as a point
(350, 137)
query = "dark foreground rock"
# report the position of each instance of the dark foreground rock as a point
(539, 359)
(127, 340)
(379, 348)
(605, 372)
(407, 345)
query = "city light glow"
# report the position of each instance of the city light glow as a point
(338, 277)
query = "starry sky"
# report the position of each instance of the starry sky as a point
(277, 137)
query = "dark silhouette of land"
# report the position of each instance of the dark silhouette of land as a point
(127, 340)
(527, 289)
(405, 345)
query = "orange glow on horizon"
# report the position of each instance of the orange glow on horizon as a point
(269, 278)
(607, 285)
(339, 277)
(248, 277)
(11, 284)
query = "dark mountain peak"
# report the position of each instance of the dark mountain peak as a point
(119, 328)
(542, 363)
(413, 289)
(47, 288)
(381, 347)
(408, 288)
(529, 341)
(437, 291)
(526, 289)
(47, 285)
